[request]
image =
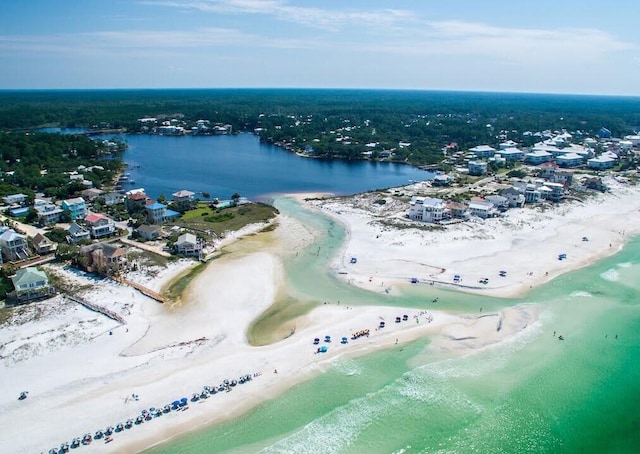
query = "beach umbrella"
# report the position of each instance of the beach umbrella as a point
(184, 399)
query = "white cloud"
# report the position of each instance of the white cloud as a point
(282, 10)
(454, 38)
(142, 42)
(403, 32)
(205, 37)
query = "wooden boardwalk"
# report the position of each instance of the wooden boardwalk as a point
(142, 289)
(97, 308)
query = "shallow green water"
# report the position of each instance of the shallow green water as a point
(531, 393)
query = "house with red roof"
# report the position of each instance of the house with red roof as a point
(137, 200)
(99, 225)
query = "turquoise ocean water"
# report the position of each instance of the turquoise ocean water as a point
(531, 393)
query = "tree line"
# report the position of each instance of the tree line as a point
(312, 119)
(42, 162)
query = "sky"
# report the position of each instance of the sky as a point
(533, 46)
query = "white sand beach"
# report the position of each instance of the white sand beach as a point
(526, 243)
(82, 370)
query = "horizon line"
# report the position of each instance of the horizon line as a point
(378, 89)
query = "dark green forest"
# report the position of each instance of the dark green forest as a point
(39, 162)
(313, 119)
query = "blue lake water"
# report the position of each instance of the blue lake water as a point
(224, 165)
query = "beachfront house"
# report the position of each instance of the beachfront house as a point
(43, 245)
(76, 233)
(188, 244)
(532, 194)
(149, 232)
(76, 206)
(514, 197)
(477, 168)
(100, 225)
(104, 258)
(158, 213)
(456, 210)
(595, 183)
(13, 245)
(500, 202)
(482, 209)
(426, 209)
(30, 283)
(556, 191)
(551, 173)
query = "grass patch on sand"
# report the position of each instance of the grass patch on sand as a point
(228, 219)
(202, 209)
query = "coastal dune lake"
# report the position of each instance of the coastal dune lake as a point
(530, 393)
(224, 165)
